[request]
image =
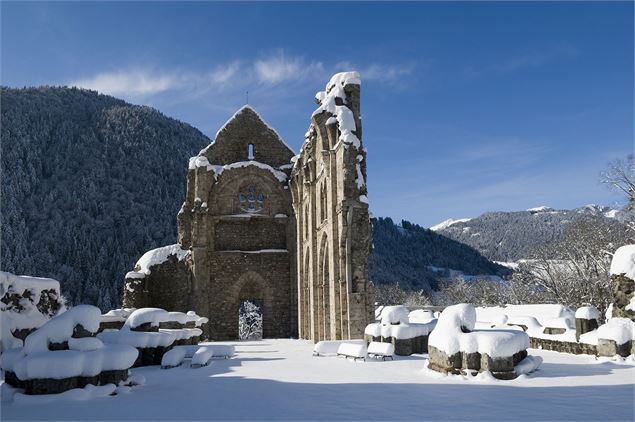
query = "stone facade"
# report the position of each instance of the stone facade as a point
(240, 227)
(328, 184)
(623, 290)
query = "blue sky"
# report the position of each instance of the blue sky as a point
(468, 107)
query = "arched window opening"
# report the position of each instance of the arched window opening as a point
(250, 151)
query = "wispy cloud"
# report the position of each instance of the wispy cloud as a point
(275, 69)
(132, 82)
(378, 72)
(280, 68)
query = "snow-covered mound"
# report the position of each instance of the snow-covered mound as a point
(394, 314)
(152, 316)
(623, 262)
(454, 333)
(76, 354)
(26, 303)
(587, 312)
(620, 330)
(543, 313)
(62, 327)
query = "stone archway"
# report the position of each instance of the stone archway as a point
(252, 287)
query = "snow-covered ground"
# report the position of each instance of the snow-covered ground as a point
(279, 379)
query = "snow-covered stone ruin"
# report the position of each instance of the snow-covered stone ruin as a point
(26, 303)
(455, 346)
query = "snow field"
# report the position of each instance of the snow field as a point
(280, 380)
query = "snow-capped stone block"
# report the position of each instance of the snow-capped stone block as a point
(26, 303)
(173, 358)
(454, 346)
(380, 349)
(587, 312)
(616, 337)
(352, 350)
(79, 321)
(330, 347)
(202, 356)
(63, 355)
(146, 319)
(394, 314)
(623, 262)
(421, 316)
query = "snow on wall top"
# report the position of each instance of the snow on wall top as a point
(154, 316)
(343, 114)
(624, 262)
(394, 314)
(60, 328)
(200, 161)
(158, 256)
(620, 330)
(21, 283)
(587, 312)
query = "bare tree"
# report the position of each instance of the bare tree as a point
(574, 270)
(620, 176)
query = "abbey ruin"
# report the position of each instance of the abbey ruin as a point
(259, 223)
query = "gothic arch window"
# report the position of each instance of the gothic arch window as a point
(250, 151)
(323, 201)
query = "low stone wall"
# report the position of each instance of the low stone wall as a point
(55, 386)
(562, 346)
(610, 348)
(464, 363)
(403, 347)
(110, 325)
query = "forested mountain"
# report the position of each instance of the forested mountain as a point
(406, 253)
(89, 183)
(510, 236)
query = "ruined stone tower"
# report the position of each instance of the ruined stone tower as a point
(292, 233)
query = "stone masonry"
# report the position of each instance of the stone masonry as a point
(240, 227)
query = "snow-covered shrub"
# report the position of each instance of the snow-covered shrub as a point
(26, 303)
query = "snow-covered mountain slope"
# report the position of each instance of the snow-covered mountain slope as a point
(418, 258)
(447, 223)
(510, 236)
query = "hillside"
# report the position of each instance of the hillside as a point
(510, 236)
(89, 183)
(406, 254)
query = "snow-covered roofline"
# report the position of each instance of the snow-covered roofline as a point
(201, 161)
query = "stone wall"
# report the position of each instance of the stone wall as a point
(562, 346)
(168, 286)
(623, 290)
(328, 184)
